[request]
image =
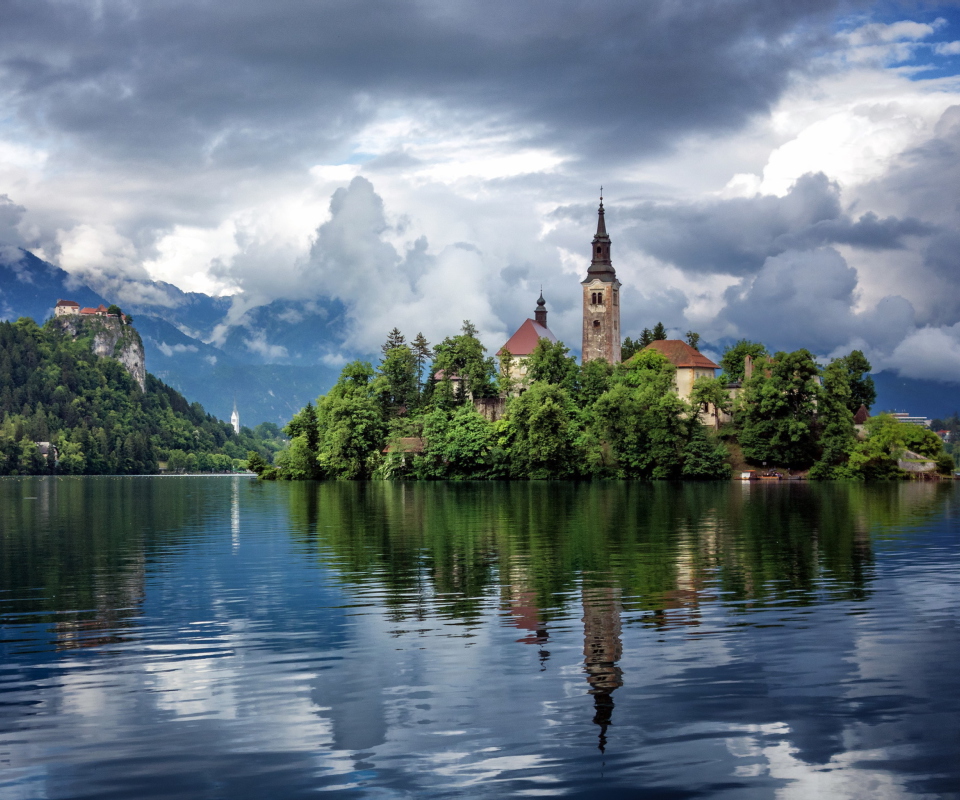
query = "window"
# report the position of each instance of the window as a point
(596, 323)
(599, 298)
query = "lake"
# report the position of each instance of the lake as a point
(226, 638)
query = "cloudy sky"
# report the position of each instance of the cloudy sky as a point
(786, 172)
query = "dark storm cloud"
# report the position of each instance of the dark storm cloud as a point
(736, 236)
(288, 81)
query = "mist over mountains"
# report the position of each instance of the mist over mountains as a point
(274, 358)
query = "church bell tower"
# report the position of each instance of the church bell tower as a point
(601, 301)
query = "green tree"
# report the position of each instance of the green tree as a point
(659, 332)
(506, 383)
(693, 339)
(646, 338)
(710, 392)
(351, 425)
(862, 389)
(114, 310)
(399, 389)
(596, 378)
(539, 433)
(422, 355)
(550, 362)
(628, 348)
(703, 457)
(835, 423)
(459, 445)
(775, 413)
(463, 356)
(732, 362)
(394, 339)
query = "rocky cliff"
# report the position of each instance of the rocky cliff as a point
(109, 338)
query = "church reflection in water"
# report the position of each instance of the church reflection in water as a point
(602, 650)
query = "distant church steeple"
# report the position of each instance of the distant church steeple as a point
(601, 300)
(235, 418)
(540, 315)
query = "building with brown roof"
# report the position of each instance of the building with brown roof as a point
(522, 344)
(690, 363)
(65, 308)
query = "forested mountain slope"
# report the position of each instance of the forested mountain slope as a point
(54, 388)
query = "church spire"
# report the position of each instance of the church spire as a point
(601, 266)
(540, 315)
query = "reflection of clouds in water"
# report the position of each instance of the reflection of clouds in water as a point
(470, 773)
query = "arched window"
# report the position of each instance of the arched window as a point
(599, 298)
(596, 323)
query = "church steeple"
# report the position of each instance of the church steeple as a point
(601, 300)
(540, 315)
(601, 266)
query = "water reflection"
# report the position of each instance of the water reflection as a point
(443, 640)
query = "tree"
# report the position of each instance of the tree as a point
(835, 422)
(709, 392)
(550, 363)
(628, 348)
(399, 389)
(394, 339)
(539, 433)
(659, 332)
(463, 356)
(646, 337)
(461, 445)
(114, 310)
(862, 389)
(351, 425)
(703, 457)
(595, 379)
(775, 413)
(506, 383)
(693, 339)
(732, 362)
(422, 355)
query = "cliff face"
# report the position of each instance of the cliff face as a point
(110, 338)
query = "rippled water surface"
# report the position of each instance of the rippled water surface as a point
(223, 638)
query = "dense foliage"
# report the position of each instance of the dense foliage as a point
(561, 420)
(54, 389)
(565, 421)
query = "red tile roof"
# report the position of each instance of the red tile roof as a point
(523, 342)
(61, 303)
(680, 354)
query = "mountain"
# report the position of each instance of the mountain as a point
(241, 370)
(921, 398)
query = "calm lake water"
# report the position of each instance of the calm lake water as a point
(224, 638)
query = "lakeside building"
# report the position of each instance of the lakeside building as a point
(601, 301)
(235, 418)
(523, 342)
(69, 308)
(690, 363)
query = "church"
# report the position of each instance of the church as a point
(601, 325)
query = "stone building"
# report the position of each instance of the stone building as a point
(601, 301)
(523, 343)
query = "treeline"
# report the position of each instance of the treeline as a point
(597, 420)
(56, 390)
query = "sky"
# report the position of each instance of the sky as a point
(784, 172)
